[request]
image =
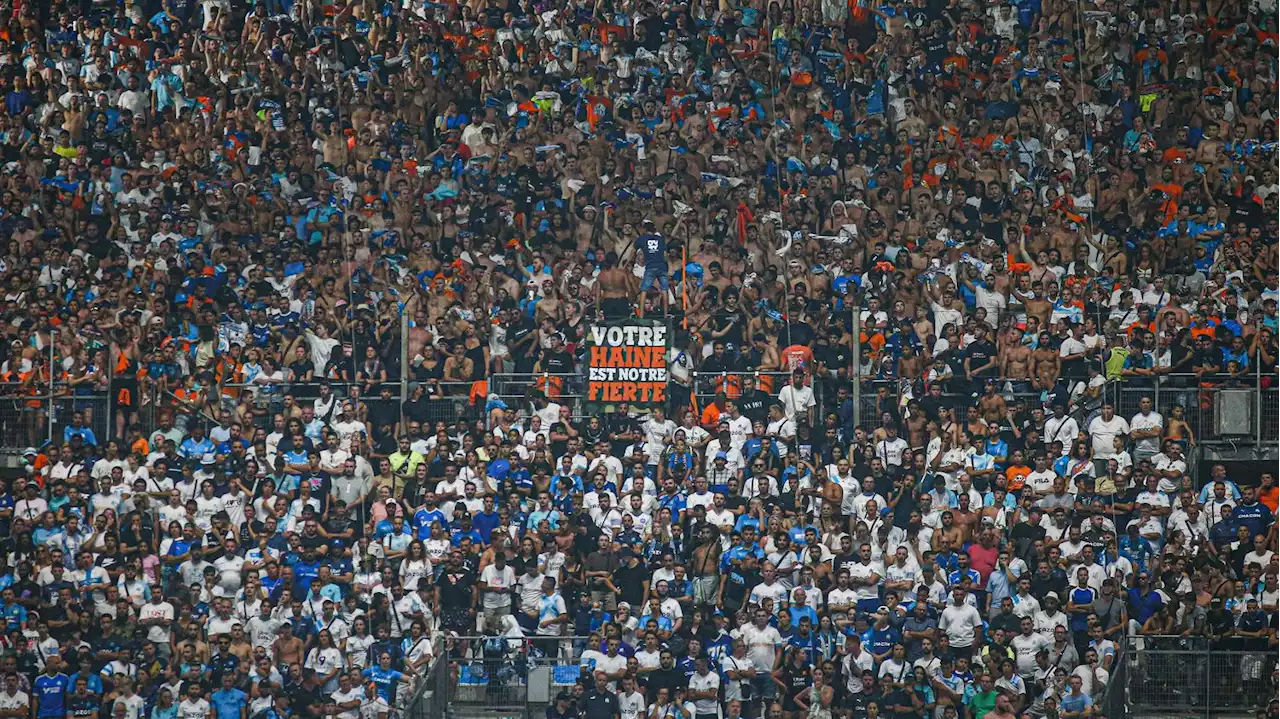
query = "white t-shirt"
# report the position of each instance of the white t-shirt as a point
(17, 701)
(796, 401)
(860, 571)
(700, 683)
(775, 591)
(611, 665)
(1041, 482)
(1026, 648)
(1103, 435)
(133, 705)
(762, 645)
(891, 451)
(500, 580)
(631, 706)
(206, 508)
(375, 708)
(1147, 421)
(262, 631)
(1071, 346)
(198, 709)
(324, 661)
(228, 567)
(170, 514)
(341, 697)
(961, 624)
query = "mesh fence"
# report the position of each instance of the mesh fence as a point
(1193, 676)
(504, 676)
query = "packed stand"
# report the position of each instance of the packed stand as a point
(236, 232)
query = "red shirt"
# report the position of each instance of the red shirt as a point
(983, 559)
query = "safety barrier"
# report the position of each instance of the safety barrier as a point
(503, 676)
(1251, 399)
(1196, 676)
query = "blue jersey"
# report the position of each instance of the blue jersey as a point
(52, 693)
(228, 702)
(304, 573)
(385, 679)
(422, 519)
(14, 614)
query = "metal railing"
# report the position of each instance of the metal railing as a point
(1196, 676)
(423, 702)
(1253, 403)
(515, 390)
(514, 676)
(31, 415)
(1111, 702)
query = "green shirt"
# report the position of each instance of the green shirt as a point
(982, 703)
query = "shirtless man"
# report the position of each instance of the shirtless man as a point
(949, 533)
(613, 300)
(991, 405)
(917, 427)
(287, 648)
(966, 519)
(1046, 361)
(704, 565)
(1016, 363)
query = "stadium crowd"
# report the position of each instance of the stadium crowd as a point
(218, 213)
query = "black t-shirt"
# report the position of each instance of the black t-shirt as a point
(382, 414)
(591, 435)
(836, 356)
(734, 321)
(739, 583)
(1207, 358)
(301, 367)
(620, 424)
(559, 363)
(755, 405)
(980, 353)
(844, 561)
(302, 700)
(1025, 534)
(599, 705)
(518, 337)
(110, 562)
(336, 526)
(801, 333)
(455, 588)
(669, 679)
(313, 542)
(630, 583)
(83, 706)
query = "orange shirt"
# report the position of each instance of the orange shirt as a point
(1016, 477)
(797, 357)
(1268, 497)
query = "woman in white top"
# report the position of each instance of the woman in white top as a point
(415, 567)
(326, 660)
(263, 504)
(357, 649)
(437, 546)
